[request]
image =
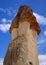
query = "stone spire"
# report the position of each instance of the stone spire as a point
(22, 50)
(25, 13)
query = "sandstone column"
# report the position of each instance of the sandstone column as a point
(24, 29)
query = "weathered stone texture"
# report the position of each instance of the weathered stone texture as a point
(22, 50)
(17, 52)
(25, 14)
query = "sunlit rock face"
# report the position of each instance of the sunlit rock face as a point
(22, 30)
(22, 49)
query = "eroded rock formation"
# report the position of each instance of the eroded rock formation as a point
(22, 50)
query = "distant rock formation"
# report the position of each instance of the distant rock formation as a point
(22, 50)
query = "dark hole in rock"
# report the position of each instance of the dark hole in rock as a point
(30, 63)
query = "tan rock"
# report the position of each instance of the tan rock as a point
(22, 50)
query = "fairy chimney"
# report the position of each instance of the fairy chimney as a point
(24, 29)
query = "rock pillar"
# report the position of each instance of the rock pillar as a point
(22, 50)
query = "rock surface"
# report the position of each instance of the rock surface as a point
(22, 50)
(25, 13)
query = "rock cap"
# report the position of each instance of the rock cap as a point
(25, 13)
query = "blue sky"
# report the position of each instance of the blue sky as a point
(8, 10)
